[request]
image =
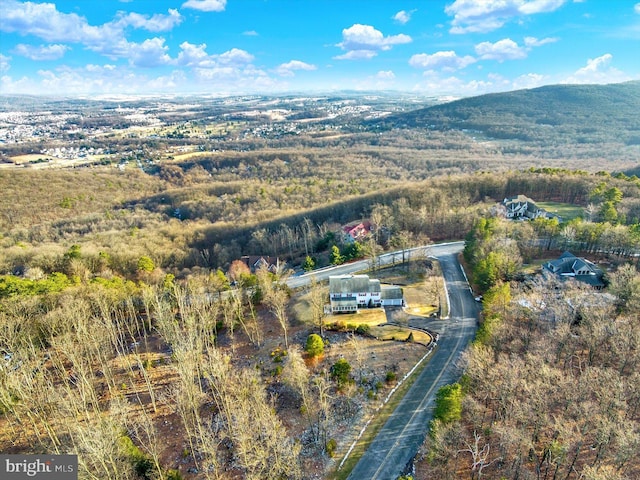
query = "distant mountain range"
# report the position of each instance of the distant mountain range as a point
(572, 113)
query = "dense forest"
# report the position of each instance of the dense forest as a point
(549, 387)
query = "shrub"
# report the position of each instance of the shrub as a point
(340, 372)
(314, 346)
(331, 447)
(391, 377)
(363, 329)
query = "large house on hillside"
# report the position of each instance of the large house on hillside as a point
(348, 293)
(568, 266)
(521, 206)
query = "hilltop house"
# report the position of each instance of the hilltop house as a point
(348, 293)
(523, 207)
(569, 266)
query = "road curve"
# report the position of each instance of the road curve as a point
(400, 438)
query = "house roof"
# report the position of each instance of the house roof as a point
(567, 265)
(353, 284)
(390, 292)
(255, 262)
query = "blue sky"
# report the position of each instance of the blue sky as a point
(431, 47)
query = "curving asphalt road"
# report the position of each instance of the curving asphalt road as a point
(400, 438)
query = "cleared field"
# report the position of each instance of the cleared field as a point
(567, 211)
(371, 317)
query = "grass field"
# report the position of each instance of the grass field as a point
(393, 332)
(370, 316)
(567, 211)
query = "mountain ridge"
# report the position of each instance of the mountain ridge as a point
(575, 113)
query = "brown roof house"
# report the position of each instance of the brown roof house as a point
(256, 262)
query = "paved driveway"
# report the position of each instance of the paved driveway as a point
(402, 435)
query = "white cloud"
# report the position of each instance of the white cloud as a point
(357, 55)
(206, 5)
(636, 8)
(250, 33)
(534, 42)
(4, 63)
(43, 20)
(150, 53)
(598, 70)
(156, 23)
(529, 80)
(385, 75)
(235, 56)
(367, 41)
(42, 52)
(403, 16)
(505, 49)
(436, 85)
(447, 61)
(287, 69)
(193, 55)
(488, 15)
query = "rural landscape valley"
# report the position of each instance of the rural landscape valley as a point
(166, 310)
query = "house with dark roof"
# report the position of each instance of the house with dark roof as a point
(568, 266)
(256, 262)
(521, 206)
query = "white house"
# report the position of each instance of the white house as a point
(523, 207)
(348, 293)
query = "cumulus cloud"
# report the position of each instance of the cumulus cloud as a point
(193, 55)
(288, 69)
(636, 8)
(505, 49)
(206, 5)
(155, 23)
(43, 20)
(235, 56)
(42, 52)
(447, 61)
(250, 33)
(488, 15)
(364, 42)
(403, 16)
(598, 70)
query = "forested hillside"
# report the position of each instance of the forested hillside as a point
(545, 116)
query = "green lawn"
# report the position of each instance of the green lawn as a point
(567, 211)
